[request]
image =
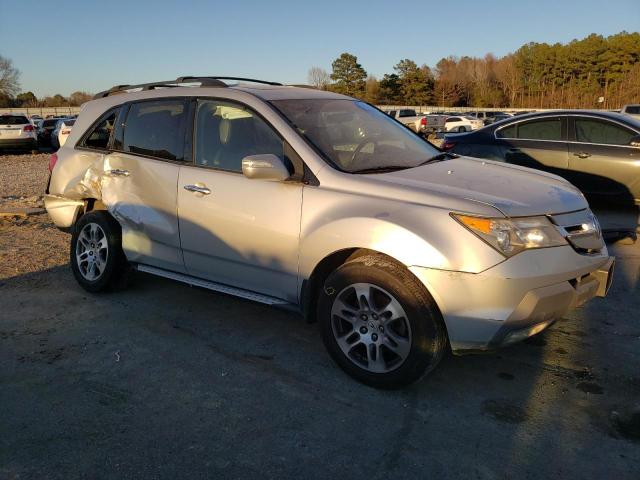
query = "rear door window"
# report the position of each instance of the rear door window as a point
(591, 130)
(156, 129)
(507, 132)
(544, 129)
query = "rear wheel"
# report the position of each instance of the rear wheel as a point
(462, 129)
(379, 324)
(96, 256)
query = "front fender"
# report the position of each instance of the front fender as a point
(414, 235)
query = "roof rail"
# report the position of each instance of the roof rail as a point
(203, 81)
(239, 79)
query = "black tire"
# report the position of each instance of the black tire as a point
(462, 129)
(115, 273)
(428, 336)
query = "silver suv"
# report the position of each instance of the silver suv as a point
(307, 199)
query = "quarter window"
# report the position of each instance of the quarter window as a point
(156, 129)
(226, 133)
(590, 130)
(98, 138)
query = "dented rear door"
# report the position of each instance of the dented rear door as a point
(140, 181)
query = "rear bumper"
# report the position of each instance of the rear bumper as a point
(29, 142)
(517, 298)
(63, 212)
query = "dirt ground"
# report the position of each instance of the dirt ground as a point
(167, 381)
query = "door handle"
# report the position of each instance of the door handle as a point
(582, 154)
(117, 172)
(197, 189)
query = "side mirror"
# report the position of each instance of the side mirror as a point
(264, 167)
(635, 141)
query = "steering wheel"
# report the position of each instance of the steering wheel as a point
(361, 145)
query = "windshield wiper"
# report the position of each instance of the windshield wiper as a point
(439, 158)
(379, 169)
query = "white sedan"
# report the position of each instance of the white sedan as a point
(462, 123)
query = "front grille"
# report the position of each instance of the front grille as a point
(582, 231)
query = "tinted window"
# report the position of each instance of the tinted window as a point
(156, 129)
(99, 136)
(634, 110)
(547, 129)
(407, 113)
(452, 119)
(226, 133)
(507, 132)
(49, 123)
(13, 120)
(590, 130)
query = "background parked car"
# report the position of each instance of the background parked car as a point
(462, 123)
(410, 118)
(631, 110)
(17, 132)
(597, 151)
(62, 130)
(486, 117)
(45, 130)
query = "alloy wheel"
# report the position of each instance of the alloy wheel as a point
(371, 327)
(92, 251)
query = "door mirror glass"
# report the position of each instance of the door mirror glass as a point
(264, 167)
(635, 141)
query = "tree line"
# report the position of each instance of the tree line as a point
(10, 88)
(592, 72)
(595, 71)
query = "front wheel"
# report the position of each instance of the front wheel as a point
(379, 323)
(96, 256)
(462, 129)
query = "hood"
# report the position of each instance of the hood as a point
(514, 190)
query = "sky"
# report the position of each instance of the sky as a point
(65, 46)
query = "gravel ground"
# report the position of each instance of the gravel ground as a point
(27, 244)
(167, 381)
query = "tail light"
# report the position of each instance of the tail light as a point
(423, 121)
(447, 145)
(52, 161)
(28, 128)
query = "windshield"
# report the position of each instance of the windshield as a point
(354, 136)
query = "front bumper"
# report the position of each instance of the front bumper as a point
(516, 298)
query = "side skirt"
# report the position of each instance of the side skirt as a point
(216, 287)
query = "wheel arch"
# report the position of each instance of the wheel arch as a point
(311, 286)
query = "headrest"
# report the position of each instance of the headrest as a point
(225, 131)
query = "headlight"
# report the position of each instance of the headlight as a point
(511, 236)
